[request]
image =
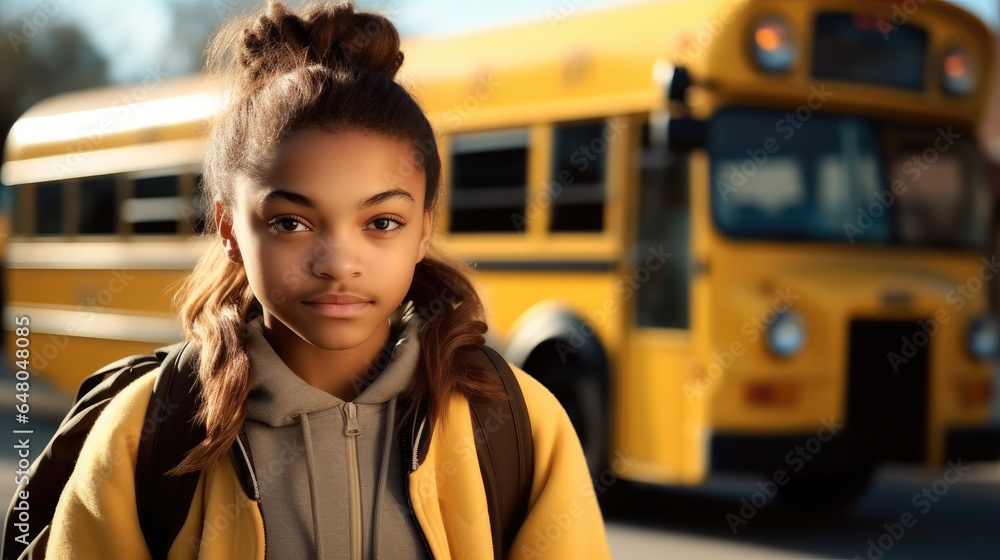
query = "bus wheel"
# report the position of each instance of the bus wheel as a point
(826, 491)
(582, 394)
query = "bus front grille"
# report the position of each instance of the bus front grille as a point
(887, 390)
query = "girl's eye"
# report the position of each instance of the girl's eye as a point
(382, 223)
(281, 223)
(291, 224)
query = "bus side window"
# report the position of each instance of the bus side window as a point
(49, 207)
(578, 167)
(155, 206)
(10, 205)
(195, 211)
(489, 178)
(663, 227)
(98, 205)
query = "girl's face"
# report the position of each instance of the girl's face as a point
(342, 215)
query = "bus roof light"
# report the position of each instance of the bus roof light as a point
(773, 44)
(959, 75)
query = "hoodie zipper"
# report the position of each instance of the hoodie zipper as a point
(354, 473)
(352, 431)
(253, 477)
(416, 444)
(406, 490)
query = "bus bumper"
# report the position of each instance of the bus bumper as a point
(770, 453)
(792, 452)
(973, 444)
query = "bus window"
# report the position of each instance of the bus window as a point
(10, 198)
(578, 168)
(48, 209)
(839, 179)
(20, 224)
(941, 196)
(764, 187)
(154, 206)
(98, 206)
(664, 220)
(195, 206)
(489, 181)
(931, 203)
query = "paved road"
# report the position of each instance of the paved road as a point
(964, 523)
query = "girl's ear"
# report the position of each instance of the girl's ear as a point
(425, 236)
(225, 227)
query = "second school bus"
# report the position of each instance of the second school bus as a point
(743, 236)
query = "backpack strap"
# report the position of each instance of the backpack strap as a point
(168, 434)
(503, 433)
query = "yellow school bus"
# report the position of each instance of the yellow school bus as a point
(100, 211)
(728, 235)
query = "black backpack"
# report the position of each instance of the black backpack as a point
(170, 413)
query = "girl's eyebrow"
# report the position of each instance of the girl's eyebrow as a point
(394, 192)
(302, 200)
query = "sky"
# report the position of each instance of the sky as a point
(141, 31)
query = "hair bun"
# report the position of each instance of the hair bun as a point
(327, 33)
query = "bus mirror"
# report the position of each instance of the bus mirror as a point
(684, 134)
(679, 84)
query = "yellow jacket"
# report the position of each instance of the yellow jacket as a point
(96, 514)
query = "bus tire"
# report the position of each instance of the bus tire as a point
(583, 395)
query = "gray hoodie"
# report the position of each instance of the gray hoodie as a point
(324, 492)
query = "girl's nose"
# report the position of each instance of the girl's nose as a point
(334, 258)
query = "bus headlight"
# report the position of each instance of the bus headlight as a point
(959, 75)
(787, 335)
(984, 337)
(773, 44)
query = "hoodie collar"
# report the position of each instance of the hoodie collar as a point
(278, 395)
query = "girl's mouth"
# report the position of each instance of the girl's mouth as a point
(338, 310)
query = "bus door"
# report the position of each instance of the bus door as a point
(665, 396)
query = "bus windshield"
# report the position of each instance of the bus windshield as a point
(845, 179)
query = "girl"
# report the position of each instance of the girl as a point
(320, 307)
